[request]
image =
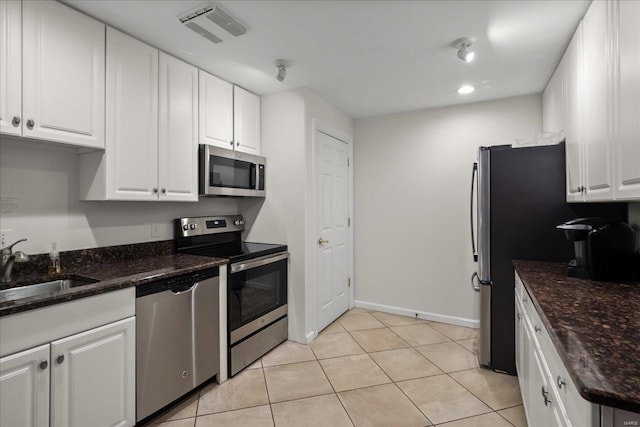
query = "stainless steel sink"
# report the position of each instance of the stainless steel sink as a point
(44, 288)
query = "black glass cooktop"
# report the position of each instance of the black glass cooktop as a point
(237, 252)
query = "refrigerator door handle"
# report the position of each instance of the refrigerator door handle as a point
(475, 285)
(473, 237)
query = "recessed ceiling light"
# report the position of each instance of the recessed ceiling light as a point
(465, 90)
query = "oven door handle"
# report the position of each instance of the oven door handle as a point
(241, 266)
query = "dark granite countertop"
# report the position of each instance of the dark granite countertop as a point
(114, 268)
(595, 327)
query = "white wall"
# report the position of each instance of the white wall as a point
(280, 217)
(42, 181)
(283, 216)
(412, 186)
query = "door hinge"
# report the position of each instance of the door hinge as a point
(349, 282)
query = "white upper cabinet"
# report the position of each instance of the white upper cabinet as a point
(63, 75)
(229, 115)
(572, 114)
(216, 111)
(132, 118)
(627, 100)
(601, 104)
(11, 67)
(152, 128)
(596, 134)
(178, 133)
(246, 121)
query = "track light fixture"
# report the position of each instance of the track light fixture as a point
(464, 50)
(282, 70)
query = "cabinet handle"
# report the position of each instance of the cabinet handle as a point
(15, 121)
(155, 191)
(519, 316)
(545, 395)
(43, 365)
(237, 144)
(30, 123)
(537, 328)
(560, 381)
(164, 191)
(231, 143)
(60, 359)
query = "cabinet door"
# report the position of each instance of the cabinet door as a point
(11, 67)
(525, 373)
(93, 377)
(597, 132)
(178, 133)
(216, 111)
(627, 95)
(246, 121)
(24, 388)
(132, 118)
(573, 65)
(63, 75)
(539, 407)
(553, 101)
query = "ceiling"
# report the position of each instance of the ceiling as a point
(368, 58)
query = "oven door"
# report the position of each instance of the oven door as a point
(257, 294)
(229, 173)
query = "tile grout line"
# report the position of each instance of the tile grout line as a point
(266, 387)
(444, 372)
(394, 382)
(335, 393)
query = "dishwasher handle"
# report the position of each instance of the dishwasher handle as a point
(176, 284)
(184, 288)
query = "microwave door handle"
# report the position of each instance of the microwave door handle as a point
(253, 176)
(474, 174)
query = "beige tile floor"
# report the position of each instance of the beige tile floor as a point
(365, 369)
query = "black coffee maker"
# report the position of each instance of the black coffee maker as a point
(604, 250)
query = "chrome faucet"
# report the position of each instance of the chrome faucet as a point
(8, 258)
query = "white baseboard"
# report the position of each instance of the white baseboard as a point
(443, 318)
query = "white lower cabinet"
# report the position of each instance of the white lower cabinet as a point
(549, 396)
(24, 388)
(93, 377)
(86, 379)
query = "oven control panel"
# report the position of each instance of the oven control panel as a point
(203, 225)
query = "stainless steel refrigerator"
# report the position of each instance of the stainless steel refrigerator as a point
(520, 199)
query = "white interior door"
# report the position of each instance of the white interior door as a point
(332, 213)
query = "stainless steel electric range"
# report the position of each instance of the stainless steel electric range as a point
(256, 284)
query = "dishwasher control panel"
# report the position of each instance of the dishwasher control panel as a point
(176, 284)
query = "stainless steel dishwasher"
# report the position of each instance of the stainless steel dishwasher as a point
(177, 338)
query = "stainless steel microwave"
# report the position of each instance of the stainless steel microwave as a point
(224, 172)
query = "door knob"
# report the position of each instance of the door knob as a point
(30, 123)
(15, 121)
(321, 241)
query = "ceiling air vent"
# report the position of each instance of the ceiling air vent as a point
(201, 21)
